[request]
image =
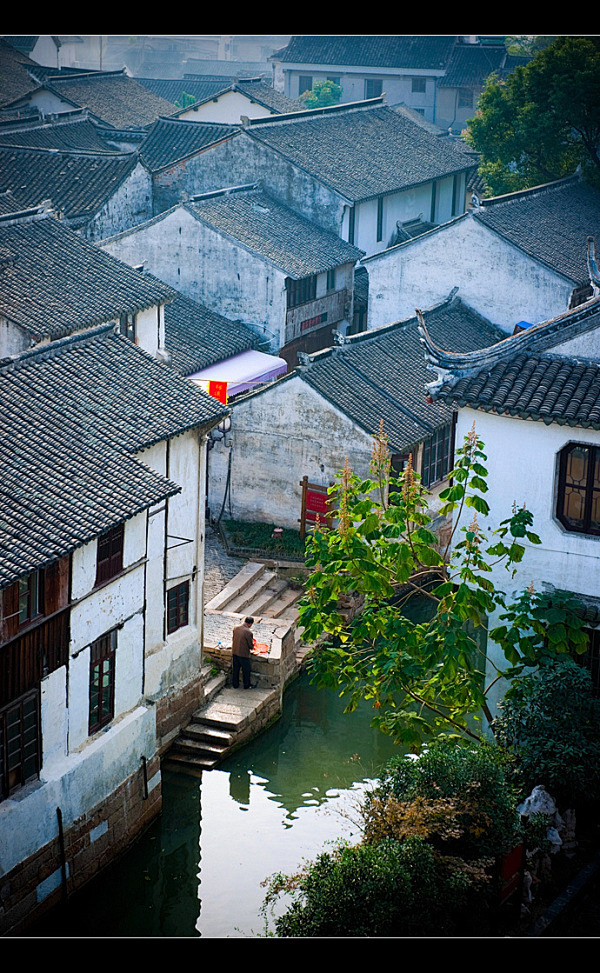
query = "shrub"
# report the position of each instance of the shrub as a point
(461, 800)
(384, 889)
(551, 723)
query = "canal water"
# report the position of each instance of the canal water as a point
(199, 870)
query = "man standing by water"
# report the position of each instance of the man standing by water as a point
(242, 644)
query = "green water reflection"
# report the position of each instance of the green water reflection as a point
(197, 871)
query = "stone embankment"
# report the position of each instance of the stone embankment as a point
(229, 717)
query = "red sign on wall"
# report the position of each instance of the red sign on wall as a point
(218, 390)
(316, 502)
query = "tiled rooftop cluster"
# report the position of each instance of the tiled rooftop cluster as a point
(78, 183)
(362, 153)
(550, 223)
(53, 282)
(382, 374)
(523, 375)
(73, 414)
(172, 139)
(197, 337)
(260, 223)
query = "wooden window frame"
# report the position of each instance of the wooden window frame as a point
(128, 326)
(379, 218)
(20, 753)
(418, 86)
(436, 460)
(109, 558)
(305, 83)
(102, 675)
(178, 607)
(30, 592)
(588, 489)
(301, 291)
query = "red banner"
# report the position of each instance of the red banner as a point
(218, 390)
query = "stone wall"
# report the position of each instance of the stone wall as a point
(92, 842)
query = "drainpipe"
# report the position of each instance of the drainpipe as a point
(200, 540)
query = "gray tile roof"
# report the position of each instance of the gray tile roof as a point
(268, 228)
(471, 64)
(53, 282)
(16, 79)
(550, 388)
(68, 130)
(78, 184)
(173, 89)
(197, 337)
(550, 223)
(255, 90)
(522, 375)
(361, 152)
(370, 50)
(382, 374)
(112, 97)
(72, 416)
(172, 140)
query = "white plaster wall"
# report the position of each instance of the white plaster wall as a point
(493, 277)
(205, 266)
(129, 205)
(54, 716)
(396, 87)
(173, 660)
(12, 339)
(278, 437)
(227, 109)
(522, 458)
(150, 329)
(74, 783)
(155, 457)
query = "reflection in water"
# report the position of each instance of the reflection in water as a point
(199, 869)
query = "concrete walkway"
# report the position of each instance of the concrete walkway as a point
(219, 566)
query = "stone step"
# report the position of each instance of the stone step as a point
(247, 576)
(266, 598)
(209, 734)
(242, 601)
(213, 685)
(196, 748)
(191, 765)
(285, 603)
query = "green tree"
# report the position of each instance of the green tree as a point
(542, 121)
(385, 889)
(322, 94)
(423, 676)
(550, 721)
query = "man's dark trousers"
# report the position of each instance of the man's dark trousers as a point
(240, 661)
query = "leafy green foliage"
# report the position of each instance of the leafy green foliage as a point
(322, 94)
(423, 675)
(467, 788)
(551, 722)
(543, 120)
(385, 889)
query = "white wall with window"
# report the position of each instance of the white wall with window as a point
(524, 461)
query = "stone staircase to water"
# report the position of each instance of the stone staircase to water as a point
(226, 718)
(229, 716)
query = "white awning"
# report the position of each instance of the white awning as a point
(242, 372)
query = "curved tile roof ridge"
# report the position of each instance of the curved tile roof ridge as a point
(535, 339)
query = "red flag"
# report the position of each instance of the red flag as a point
(218, 390)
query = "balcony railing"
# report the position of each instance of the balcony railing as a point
(31, 655)
(328, 309)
